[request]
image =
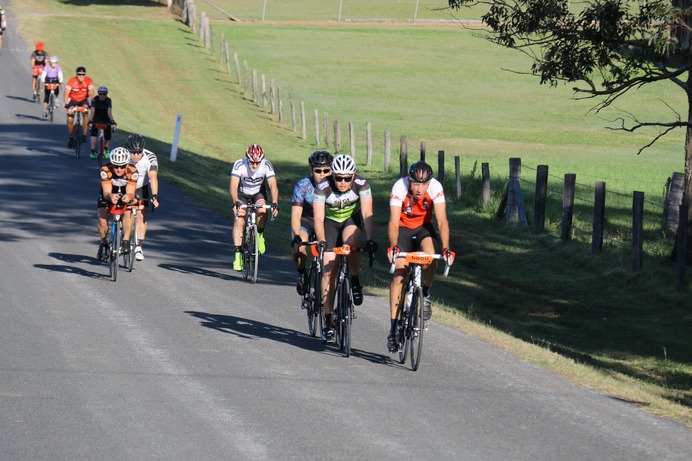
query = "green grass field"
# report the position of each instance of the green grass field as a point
(445, 86)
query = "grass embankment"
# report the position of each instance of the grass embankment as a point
(589, 318)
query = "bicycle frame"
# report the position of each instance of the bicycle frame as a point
(249, 246)
(114, 240)
(51, 99)
(312, 299)
(101, 141)
(411, 323)
(77, 130)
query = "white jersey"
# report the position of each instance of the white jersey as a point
(147, 163)
(251, 182)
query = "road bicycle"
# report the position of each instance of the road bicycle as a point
(410, 320)
(101, 142)
(52, 87)
(115, 233)
(134, 208)
(37, 84)
(342, 314)
(250, 246)
(77, 130)
(312, 296)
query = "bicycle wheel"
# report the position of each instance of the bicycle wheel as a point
(343, 315)
(51, 106)
(249, 255)
(254, 256)
(417, 327)
(77, 137)
(309, 299)
(39, 91)
(402, 325)
(129, 257)
(116, 228)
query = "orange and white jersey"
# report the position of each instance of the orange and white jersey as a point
(415, 213)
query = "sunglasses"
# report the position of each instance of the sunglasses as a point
(343, 178)
(103, 94)
(136, 152)
(81, 74)
(118, 167)
(318, 171)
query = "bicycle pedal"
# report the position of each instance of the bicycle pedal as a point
(305, 304)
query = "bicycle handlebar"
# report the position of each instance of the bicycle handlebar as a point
(345, 250)
(419, 257)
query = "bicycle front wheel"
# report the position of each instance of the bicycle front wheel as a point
(402, 325)
(116, 229)
(309, 299)
(51, 106)
(77, 138)
(344, 308)
(417, 326)
(129, 257)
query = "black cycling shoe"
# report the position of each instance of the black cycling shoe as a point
(301, 286)
(70, 143)
(328, 334)
(357, 295)
(392, 343)
(125, 248)
(104, 252)
(427, 307)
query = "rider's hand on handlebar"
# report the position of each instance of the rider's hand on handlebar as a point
(372, 246)
(275, 209)
(449, 255)
(295, 243)
(236, 207)
(392, 251)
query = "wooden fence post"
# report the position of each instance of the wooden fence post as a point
(326, 130)
(368, 144)
(302, 120)
(387, 150)
(293, 113)
(403, 156)
(637, 230)
(272, 96)
(228, 58)
(598, 218)
(422, 151)
(281, 106)
(539, 200)
(441, 166)
(255, 88)
(352, 139)
(236, 63)
(485, 175)
(672, 203)
(317, 128)
(337, 137)
(247, 77)
(264, 91)
(457, 172)
(682, 247)
(568, 206)
(515, 201)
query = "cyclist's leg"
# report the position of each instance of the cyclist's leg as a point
(238, 226)
(427, 238)
(70, 125)
(351, 236)
(128, 221)
(102, 226)
(92, 141)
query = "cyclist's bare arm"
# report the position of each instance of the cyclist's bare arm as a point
(368, 220)
(318, 214)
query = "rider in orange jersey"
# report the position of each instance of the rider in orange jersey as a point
(78, 90)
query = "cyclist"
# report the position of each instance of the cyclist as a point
(118, 186)
(411, 204)
(78, 91)
(147, 184)
(51, 75)
(342, 207)
(38, 61)
(302, 220)
(249, 179)
(3, 23)
(101, 112)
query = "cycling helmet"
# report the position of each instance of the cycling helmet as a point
(320, 158)
(343, 164)
(53, 59)
(81, 69)
(135, 142)
(103, 89)
(39, 46)
(255, 153)
(120, 156)
(420, 172)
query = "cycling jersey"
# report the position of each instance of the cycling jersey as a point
(415, 214)
(147, 163)
(101, 109)
(340, 206)
(303, 196)
(51, 74)
(78, 91)
(40, 58)
(251, 182)
(130, 176)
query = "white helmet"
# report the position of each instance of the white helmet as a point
(120, 156)
(343, 164)
(53, 59)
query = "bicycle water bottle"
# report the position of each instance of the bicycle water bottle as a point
(409, 297)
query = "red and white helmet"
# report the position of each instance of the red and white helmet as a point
(255, 153)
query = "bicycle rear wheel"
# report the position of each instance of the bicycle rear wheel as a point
(417, 326)
(250, 251)
(402, 325)
(344, 309)
(129, 257)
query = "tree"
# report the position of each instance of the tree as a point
(608, 49)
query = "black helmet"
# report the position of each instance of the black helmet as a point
(420, 172)
(135, 142)
(81, 69)
(320, 158)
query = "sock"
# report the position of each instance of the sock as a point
(237, 249)
(328, 320)
(392, 328)
(260, 231)
(426, 291)
(140, 242)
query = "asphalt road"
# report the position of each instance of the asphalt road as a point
(182, 360)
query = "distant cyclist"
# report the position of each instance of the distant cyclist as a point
(249, 180)
(411, 204)
(118, 186)
(39, 59)
(101, 112)
(78, 91)
(3, 23)
(147, 184)
(342, 208)
(51, 76)
(302, 220)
